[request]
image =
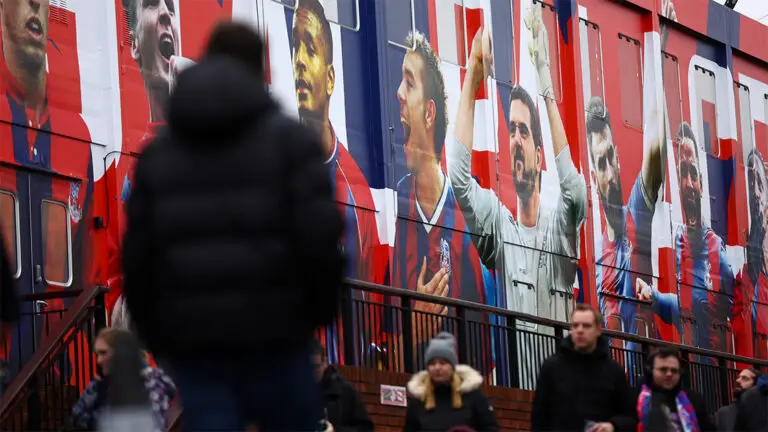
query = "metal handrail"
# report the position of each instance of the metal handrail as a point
(399, 292)
(37, 361)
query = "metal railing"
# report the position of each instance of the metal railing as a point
(62, 364)
(508, 348)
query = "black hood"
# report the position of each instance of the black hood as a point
(603, 349)
(215, 100)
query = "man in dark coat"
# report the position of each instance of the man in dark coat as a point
(662, 404)
(725, 417)
(344, 409)
(752, 415)
(231, 254)
(581, 387)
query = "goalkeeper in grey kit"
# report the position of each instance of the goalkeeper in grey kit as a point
(541, 241)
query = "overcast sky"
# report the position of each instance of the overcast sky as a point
(755, 9)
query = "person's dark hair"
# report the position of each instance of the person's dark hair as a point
(521, 94)
(315, 8)
(756, 373)
(434, 85)
(598, 119)
(663, 353)
(318, 349)
(129, 8)
(239, 41)
(683, 132)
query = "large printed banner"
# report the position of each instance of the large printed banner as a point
(452, 158)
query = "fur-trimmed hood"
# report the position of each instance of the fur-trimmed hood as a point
(470, 380)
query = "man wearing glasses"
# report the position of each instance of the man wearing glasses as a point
(662, 404)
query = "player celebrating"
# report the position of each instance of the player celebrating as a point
(625, 251)
(429, 219)
(549, 235)
(702, 263)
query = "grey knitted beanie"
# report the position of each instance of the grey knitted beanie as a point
(442, 346)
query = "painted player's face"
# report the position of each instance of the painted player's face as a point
(608, 177)
(155, 40)
(690, 182)
(666, 372)
(758, 192)
(25, 32)
(584, 330)
(417, 113)
(313, 76)
(526, 157)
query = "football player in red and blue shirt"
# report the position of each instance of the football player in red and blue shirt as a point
(314, 78)
(432, 237)
(154, 40)
(44, 132)
(625, 253)
(750, 304)
(705, 278)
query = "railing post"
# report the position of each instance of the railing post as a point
(34, 410)
(100, 315)
(347, 324)
(408, 357)
(725, 396)
(462, 340)
(685, 359)
(514, 365)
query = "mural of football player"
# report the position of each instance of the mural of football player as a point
(701, 260)
(37, 132)
(540, 239)
(315, 77)
(155, 39)
(624, 255)
(750, 304)
(432, 242)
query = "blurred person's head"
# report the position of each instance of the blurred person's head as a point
(526, 143)
(313, 72)
(319, 359)
(441, 358)
(104, 347)
(154, 40)
(605, 162)
(423, 110)
(25, 35)
(666, 368)
(746, 379)
(586, 327)
(239, 41)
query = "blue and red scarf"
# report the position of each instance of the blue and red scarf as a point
(685, 410)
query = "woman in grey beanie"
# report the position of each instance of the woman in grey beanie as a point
(447, 394)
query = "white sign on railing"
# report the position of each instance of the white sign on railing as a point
(393, 395)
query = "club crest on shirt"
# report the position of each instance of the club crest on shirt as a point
(75, 210)
(708, 276)
(445, 255)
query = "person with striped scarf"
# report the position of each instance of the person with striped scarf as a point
(663, 405)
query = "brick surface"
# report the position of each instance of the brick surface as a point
(512, 406)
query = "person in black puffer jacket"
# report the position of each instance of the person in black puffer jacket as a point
(344, 409)
(231, 255)
(447, 395)
(581, 387)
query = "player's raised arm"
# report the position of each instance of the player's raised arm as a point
(479, 206)
(573, 189)
(654, 132)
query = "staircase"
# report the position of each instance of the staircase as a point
(49, 378)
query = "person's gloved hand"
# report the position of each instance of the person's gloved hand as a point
(538, 50)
